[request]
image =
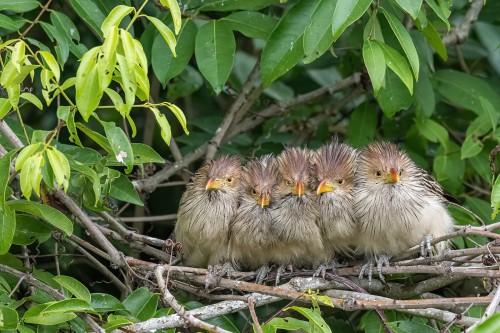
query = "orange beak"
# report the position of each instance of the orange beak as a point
(394, 176)
(324, 186)
(299, 188)
(212, 184)
(263, 200)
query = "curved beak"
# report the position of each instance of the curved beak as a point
(299, 188)
(324, 186)
(263, 200)
(393, 176)
(212, 184)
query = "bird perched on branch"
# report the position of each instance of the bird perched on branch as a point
(333, 167)
(295, 212)
(205, 211)
(252, 240)
(398, 205)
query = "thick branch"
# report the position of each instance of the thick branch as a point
(459, 34)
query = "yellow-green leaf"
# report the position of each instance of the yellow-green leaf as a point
(52, 63)
(167, 34)
(115, 17)
(176, 13)
(179, 115)
(166, 132)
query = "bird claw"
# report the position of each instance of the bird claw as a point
(262, 273)
(323, 268)
(279, 272)
(382, 260)
(216, 272)
(367, 268)
(426, 246)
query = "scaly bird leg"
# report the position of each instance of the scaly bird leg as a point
(262, 273)
(216, 272)
(367, 268)
(382, 260)
(333, 265)
(426, 246)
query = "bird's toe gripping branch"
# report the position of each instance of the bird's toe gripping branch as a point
(323, 268)
(426, 246)
(262, 273)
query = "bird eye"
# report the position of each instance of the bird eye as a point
(400, 172)
(379, 173)
(288, 182)
(254, 192)
(340, 181)
(229, 179)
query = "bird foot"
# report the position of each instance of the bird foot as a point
(426, 246)
(216, 272)
(333, 265)
(382, 260)
(262, 273)
(368, 269)
(281, 270)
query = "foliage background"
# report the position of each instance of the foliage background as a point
(249, 77)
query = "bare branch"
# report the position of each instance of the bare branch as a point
(459, 34)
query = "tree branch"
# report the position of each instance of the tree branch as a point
(459, 34)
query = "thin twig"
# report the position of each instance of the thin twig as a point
(255, 319)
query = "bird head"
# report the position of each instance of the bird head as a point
(260, 177)
(223, 174)
(333, 166)
(294, 169)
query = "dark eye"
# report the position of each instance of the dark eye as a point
(288, 182)
(379, 173)
(254, 192)
(400, 172)
(340, 181)
(229, 179)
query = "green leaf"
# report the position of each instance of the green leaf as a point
(47, 213)
(432, 131)
(397, 63)
(65, 25)
(123, 189)
(9, 318)
(424, 96)
(167, 34)
(128, 82)
(464, 90)
(317, 35)
(115, 17)
(90, 13)
(116, 321)
(7, 229)
(179, 115)
(173, 5)
(5, 107)
(317, 322)
(107, 57)
(412, 7)
(375, 63)
(393, 96)
(165, 65)
(7, 23)
(166, 132)
(141, 303)
(120, 144)
(29, 230)
(88, 90)
(346, 13)
(284, 48)
(362, 125)
(19, 6)
(5, 163)
(442, 12)
(449, 168)
(251, 24)
(224, 5)
(214, 51)
(145, 154)
(188, 82)
(410, 326)
(98, 138)
(434, 39)
(35, 315)
(74, 286)
(60, 167)
(495, 198)
(287, 323)
(105, 303)
(470, 147)
(32, 99)
(60, 35)
(405, 40)
(52, 63)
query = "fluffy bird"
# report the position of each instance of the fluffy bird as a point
(398, 205)
(252, 240)
(334, 165)
(295, 212)
(205, 211)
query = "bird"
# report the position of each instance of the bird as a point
(398, 205)
(251, 240)
(205, 211)
(295, 212)
(334, 165)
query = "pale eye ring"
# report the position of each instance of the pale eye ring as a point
(379, 173)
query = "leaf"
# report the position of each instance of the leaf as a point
(464, 90)
(284, 48)
(60, 167)
(60, 35)
(88, 90)
(179, 115)
(32, 99)
(90, 14)
(105, 303)
(362, 125)
(287, 323)
(123, 189)
(65, 25)
(375, 63)
(424, 96)
(173, 5)
(495, 198)
(26, 153)
(68, 306)
(346, 13)
(397, 63)
(141, 303)
(128, 83)
(5, 163)
(145, 154)
(214, 51)
(7, 23)
(167, 34)
(115, 17)
(412, 7)
(7, 230)
(98, 138)
(19, 6)
(166, 132)
(74, 286)
(251, 24)
(434, 39)
(9, 316)
(116, 321)
(47, 213)
(442, 13)
(393, 96)
(35, 315)
(5, 107)
(224, 5)
(449, 168)
(120, 144)
(404, 40)
(165, 65)
(318, 323)
(410, 326)
(432, 131)
(29, 230)
(470, 148)
(317, 35)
